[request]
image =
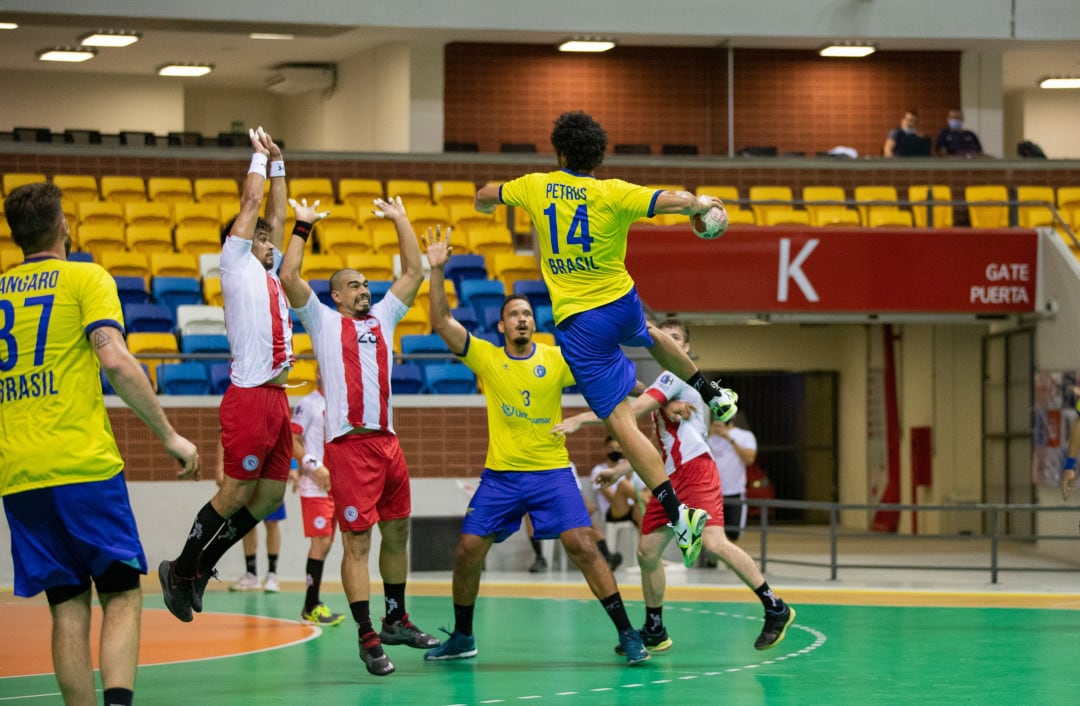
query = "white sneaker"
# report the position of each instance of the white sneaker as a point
(271, 584)
(247, 582)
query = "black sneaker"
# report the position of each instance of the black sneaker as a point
(654, 641)
(539, 565)
(199, 588)
(403, 632)
(776, 625)
(177, 591)
(372, 655)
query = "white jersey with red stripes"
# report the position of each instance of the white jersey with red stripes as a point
(355, 357)
(681, 441)
(309, 420)
(256, 315)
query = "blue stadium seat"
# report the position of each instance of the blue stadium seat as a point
(467, 318)
(407, 379)
(493, 337)
(219, 378)
(79, 256)
(132, 290)
(321, 287)
(206, 343)
(490, 318)
(379, 288)
(175, 291)
(545, 320)
(183, 379)
(480, 294)
(425, 343)
(297, 325)
(148, 318)
(462, 267)
(451, 379)
(536, 292)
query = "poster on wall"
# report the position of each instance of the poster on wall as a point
(1056, 397)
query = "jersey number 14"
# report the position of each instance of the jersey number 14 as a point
(577, 234)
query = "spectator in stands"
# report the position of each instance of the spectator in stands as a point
(734, 449)
(955, 141)
(906, 140)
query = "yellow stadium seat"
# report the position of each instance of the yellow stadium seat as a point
(123, 189)
(71, 214)
(341, 214)
(148, 347)
(384, 238)
(746, 217)
(373, 267)
(423, 297)
(943, 215)
(5, 233)
(97, 238)
(10, 257)
(412, 191)
(148, 214)
(424, 216)
(77, 187)
(990, 215)
(490, 241)
(344, 240)
(1035, 216)
(770, 193)
(211, 287)
(879, 219)
(786, 217)
(149, 239)
(95, 213)
(196, 240)
(216, 190)
(666, 187)
(511, 268)
(464, 216)
(544, 337)
(864, 195)
(196, 215)
(320, 266)
(453, 193)
(172, 264)
(728, 194)
(316, 189)
(827, 213)
(1068, 198)
(13, 180)
(228, 209)
(170, 189)
(301, 344)
(119, 263)
(302, 377)
(415, 321)
(359, 193)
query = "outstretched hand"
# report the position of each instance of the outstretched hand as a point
(566, 427)
(611, 476)
(260, 141)
(305, 213)
(389, 209)
(707, 202)
(437, 246)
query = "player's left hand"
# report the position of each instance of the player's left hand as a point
(611, 476)
(305, 213)
(678, 411)
(321, 476)
(437, 246)
(391, 209)
(566, 427)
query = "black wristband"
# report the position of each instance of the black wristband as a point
(302, 229)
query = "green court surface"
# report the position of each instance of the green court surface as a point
(560, 651)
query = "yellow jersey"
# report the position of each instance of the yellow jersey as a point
(581, 224)
(54, 429)
(524, 400)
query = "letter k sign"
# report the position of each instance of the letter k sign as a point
(792, 269)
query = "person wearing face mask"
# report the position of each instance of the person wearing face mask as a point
(905, 140)
(955, 141)
(617, 502)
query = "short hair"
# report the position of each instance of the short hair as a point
(608, 439)
(672, 322)
(580, 140)
(912, 111)
(510, 298)
(260, 224)
(34, 212)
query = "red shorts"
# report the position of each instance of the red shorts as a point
(318, 514)
(256, 432)
(370, 480)
(697, 483)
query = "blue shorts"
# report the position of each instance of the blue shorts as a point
(68, 534)
(590, 344)
(277, 515)
(551, 498)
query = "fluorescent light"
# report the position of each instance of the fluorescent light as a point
(1060, 82)
(68, 54)
(8, 25)
(109, 39)
(185, 70)
(587, 45)
(848, 51)
(269, 35)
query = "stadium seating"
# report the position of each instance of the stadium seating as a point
(124, 264)
(462, 218)
(219, 378)
(200, 319)
(513, 268)
(297, 324)
(879, 219)
(176, 291)
(344, 240)
(535, 291)
(210, 265)
(414, 322)
(544, 318)
(490, 318)
(170, 190)
(216, 345)
(770, 193)
(98, 239)
(406, 379)
(730, 196)
(148, 214)
(423, 297)
(123, 189)
(211, 287)
(548, 339)
(312, 189)
(943, 215)
(77, 256)
(490, 241)
(866, 195)
(449, 379)
(99, 213)
(197, 240)
(1068, 198)
(320, 266)
(149, 318)
(493, 337)
(192, 215)
(188, 378)
(424, 216)
(424, 265)
(360, 193)
(384, 238)
(217, 191)
(303, 378)
(448, 193)
(10, 257)
(132, 290)
(153, 349)
(373, 267)
(413, 192)
(173, 264)
(149, 239)
(823, 214)
(378, 289)
(462, 267)
(77, 187)
(466, 316)
(422, 344)
(13, 180)
(1035, 216)
(482, 293)
(989, 215)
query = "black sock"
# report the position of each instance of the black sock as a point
(394, 594)
(118, 697)
(314, 580)
(616, 611)
(361, 613)
(241, 522)
(207, 525)
(536, 547)
(604, 551)
(272, 559)
(772, 603)
(668, 499)
(249, 561)
(699, 383)
(654, 620)
(463, 615)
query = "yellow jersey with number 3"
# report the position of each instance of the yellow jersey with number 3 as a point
(54, 429)
(581, 224)
(524, 400)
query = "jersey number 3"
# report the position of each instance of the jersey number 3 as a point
(7, 338)
(576, 234)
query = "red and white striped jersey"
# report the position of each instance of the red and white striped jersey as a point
(256, 315)
(681, 441)
(355, 357)
(309, 419)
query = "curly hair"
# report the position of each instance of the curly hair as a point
(34, 213)
(580, 140)
(261, 224)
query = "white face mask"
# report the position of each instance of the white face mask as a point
(956, 124)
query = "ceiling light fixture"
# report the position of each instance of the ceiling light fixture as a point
(185, 70)
(587, 45)
(109, 39)
(848, 50)
(8, 25)
(72, 55)
(1060, 82)
(269, 35)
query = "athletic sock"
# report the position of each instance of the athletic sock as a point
(272, 560)
(699, 383)
(772, 603)
(604, 551)
(361, 613)
(241, 522)
(249, 561)
(536, 547)
(654, 620)
(395, 601)
(118, 697)
(463, 618)
(665, 493)
(207, 525)
(314, 580)
(616, 610)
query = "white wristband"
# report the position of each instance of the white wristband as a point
(310, 463)
(277, 168)
(258, 164)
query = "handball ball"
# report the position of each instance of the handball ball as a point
(711, 224)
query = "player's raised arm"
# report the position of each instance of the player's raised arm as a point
(251, 198)
(276, 199)
(296, 289)
(412, 267)
(685, 203)
(442, 322)
(487, 198)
